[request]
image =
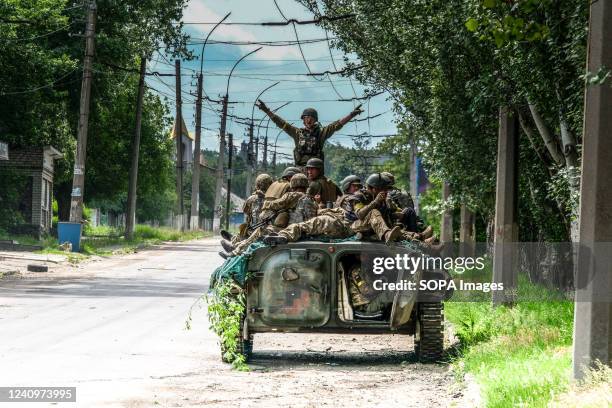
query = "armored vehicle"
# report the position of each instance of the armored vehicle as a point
(305, 287)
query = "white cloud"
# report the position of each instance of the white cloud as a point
(197, 11)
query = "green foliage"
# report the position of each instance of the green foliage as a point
(12, 190)
(40, 84)
(450, 65)
(519, 355)
(226, 309)
(110, 240)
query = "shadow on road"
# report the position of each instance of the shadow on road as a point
(100, 287)
(279, 360)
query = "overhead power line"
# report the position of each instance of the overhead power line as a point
(280, 43)
(274, 23)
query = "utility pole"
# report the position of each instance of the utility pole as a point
(178, 133)
(249, 180)
(506, 207)
(195, 175)
(228, 200)
(593, 303)
(256, 155)
(130, 220)
(78, 181)
(265, 153)
(219, 185)
(274, 160)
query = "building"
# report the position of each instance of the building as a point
(35, 167)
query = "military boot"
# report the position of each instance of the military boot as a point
(226, 235)
(227, 246)
(427, 232)
(393, 234)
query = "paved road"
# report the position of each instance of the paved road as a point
(115, 329)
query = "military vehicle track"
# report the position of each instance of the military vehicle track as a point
(429, 338)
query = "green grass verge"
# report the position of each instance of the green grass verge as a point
(106, 240)
(520, 356)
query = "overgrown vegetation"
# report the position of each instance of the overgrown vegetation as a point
(226, 308)
(110, 240)
(104, 240)
(521, 355)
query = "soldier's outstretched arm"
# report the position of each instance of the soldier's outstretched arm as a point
(330, 129)
(280, 122)
(351, 115)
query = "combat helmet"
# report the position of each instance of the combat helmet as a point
(389, 176)
(299, 181)
(315, 162)
(310, 112)
(377, 180)
(263, 181)
(348, 180)
(290, 172)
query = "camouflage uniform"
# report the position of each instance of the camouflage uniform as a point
(363, 296)
(308, 143)
(331, 222)
(252, 209)
(372, 216)
(300, 206)
(405, 214)
(375, 217)
(253, 206)
(328, 189)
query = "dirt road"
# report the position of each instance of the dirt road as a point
(115, 329)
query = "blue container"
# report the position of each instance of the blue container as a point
(70, 232)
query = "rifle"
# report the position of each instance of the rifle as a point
(260, 223)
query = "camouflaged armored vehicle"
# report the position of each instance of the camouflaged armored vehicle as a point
(303, 287)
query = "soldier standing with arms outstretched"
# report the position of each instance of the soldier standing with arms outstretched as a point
(310, 139)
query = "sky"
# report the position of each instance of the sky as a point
(262, 69)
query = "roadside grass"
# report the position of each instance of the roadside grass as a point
(593, 392)
(520, 356)
(104, 240)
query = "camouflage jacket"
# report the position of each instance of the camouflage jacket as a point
(346, 203)
(387, 208)
(301, 207)
(252, 207)
(308, 143)
(400, 198)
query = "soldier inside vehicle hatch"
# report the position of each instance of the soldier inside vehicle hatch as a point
(310, 139)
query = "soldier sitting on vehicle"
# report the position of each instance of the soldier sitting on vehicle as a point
(329, 191)
(406, 214)
(340, 222)
(310, 139)
(281, 186)
(331, 222)
(252, 208)
(374, 212)
(297, 204)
